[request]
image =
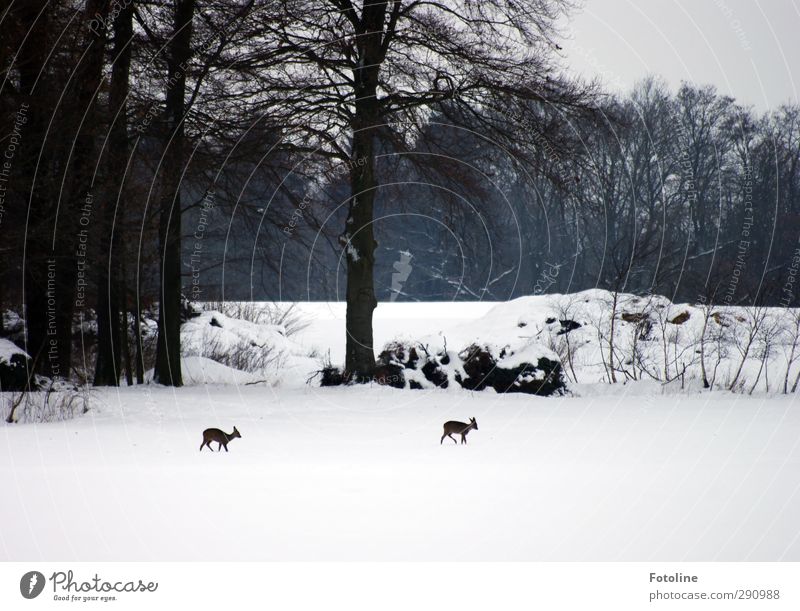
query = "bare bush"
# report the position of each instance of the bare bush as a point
(638, 359)
(790, 334)
(244, 355)
(12, 401)
(718, 346)
(768, 335)
(752, 323)
(56, 403)
(678, 351)
(284, 315)
(705, 309)
(567, 310)
(604, 323)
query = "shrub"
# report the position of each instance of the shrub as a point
(483, 370)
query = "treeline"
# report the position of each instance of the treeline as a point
(152, 142)
(120, 119)
(682, 193)
(686, 194)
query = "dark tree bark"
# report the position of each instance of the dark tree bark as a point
(168, 346)
(33, 17)
(110, 334)
(76, 215)
(359, 239)
(122, 291)
(360, 247)
(136, 315)
(367, 73)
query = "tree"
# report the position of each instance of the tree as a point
(110, 273)
(31, 61)
(365, 72)
(168, 347)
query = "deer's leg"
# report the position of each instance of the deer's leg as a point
(225, 446)
(442, 439)
(450, 435)
(202, 444)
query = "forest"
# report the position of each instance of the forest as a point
(157, 153)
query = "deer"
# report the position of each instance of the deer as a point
(461, 428)
(221, 437)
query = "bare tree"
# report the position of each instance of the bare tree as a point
(112, 334)
(791, 333)
(767, 337)
(168, 351)
(705, 309)
(32, 55)
(367, 72)
(567, 310)
(614, 304)
(753, 320)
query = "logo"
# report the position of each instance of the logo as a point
(31, 584)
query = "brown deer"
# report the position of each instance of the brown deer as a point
(221, 437)
(459, 428)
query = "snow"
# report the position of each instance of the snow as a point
(261, 352)
(498, 330)
(199, 371)
(8, 349)
(391, 321)
(635, 471)
(359, 473)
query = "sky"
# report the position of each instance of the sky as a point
(749, 49)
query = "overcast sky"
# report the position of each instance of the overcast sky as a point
(749, 49)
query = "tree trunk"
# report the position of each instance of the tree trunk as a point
(37, 257)
(359, 244)
(612, 373)
(706, 316)
(76, 217)
(136, 314)
(109, 309)
(168, 345)
(124, 341)
(359, 237)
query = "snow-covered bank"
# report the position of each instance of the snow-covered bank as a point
(640, 470)
(600, 337)
(348, 473)
(391, 321)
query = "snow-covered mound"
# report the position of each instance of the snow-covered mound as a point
(499, 331)
(7, 351)
(600, 336)
(199, 370)
(597, 337)
(13, 366)
(477, 355)
(262, 351)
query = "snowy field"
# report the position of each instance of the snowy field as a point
(631, 472)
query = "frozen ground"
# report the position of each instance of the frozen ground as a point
(611, 473)
(359, 474)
